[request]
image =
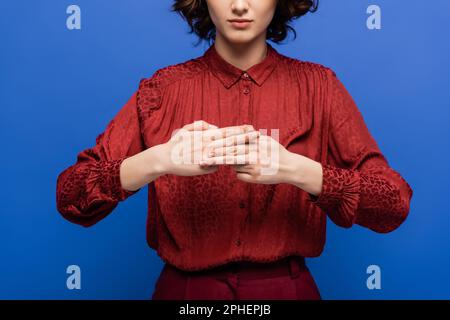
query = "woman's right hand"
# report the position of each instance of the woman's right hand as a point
(182, 154)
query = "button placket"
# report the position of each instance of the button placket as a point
(243, 208)
(246, 78)
(245, 87)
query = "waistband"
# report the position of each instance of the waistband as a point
(249, 270)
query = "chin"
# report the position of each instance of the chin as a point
(241, 38)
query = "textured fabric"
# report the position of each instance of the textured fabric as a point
(286, 279)
(204, 221)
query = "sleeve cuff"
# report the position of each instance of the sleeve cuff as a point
(111, 172)
(337, 185)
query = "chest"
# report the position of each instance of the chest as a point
(286, 112)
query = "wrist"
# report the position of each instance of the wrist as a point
(155, 165)
(306, 174)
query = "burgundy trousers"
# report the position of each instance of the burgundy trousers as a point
(285, 279)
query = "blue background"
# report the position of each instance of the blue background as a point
(60, 88)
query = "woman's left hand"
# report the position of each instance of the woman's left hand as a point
(263, 160)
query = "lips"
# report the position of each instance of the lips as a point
(240, 20)
(240, 23)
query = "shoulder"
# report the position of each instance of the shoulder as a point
(307, 69)
(150, 89)
(175, 72)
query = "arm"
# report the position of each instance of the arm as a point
(91, 188)
(358, 185)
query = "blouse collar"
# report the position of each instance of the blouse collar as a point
(229, 74)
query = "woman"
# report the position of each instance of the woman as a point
(228, 229)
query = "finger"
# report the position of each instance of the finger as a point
(250, 158)
(242, 128)
(241, 169)
(234, 140)
(228, 159)
(232, 150)
(199, 125)
(208, 169)
(234, 130)
(218, 134)
(245, 177)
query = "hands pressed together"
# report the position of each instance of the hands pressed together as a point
(200, 148)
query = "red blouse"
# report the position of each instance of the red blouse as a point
(204, 221)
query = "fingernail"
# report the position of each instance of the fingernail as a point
(204, 162)
(253, 134)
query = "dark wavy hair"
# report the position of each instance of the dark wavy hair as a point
(195, 12)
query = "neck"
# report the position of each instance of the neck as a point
(241, 55)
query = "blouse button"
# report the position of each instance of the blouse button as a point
(245, 75)
(238, 242)
(241, 204)
(246, 90)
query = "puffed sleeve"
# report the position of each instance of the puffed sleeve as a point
(359, 186)
(90, 189)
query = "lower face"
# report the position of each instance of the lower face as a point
(259, 11)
